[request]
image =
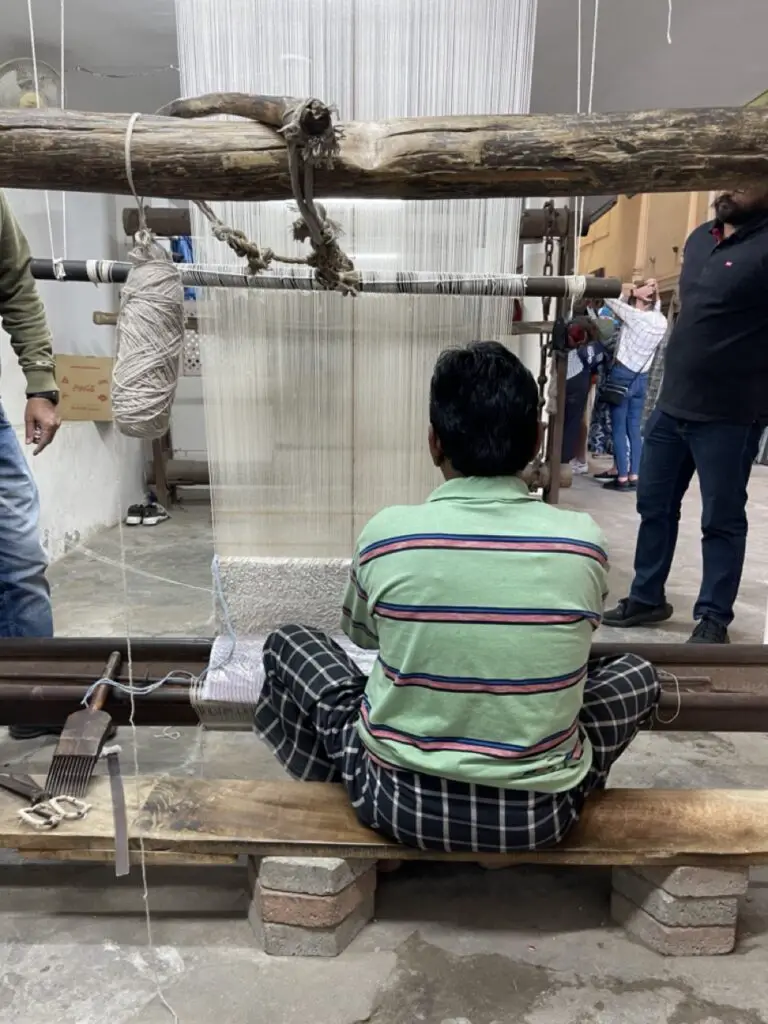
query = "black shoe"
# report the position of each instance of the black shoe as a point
(35, 732)
(708, 631)
(154, 514)
(614, 484)
(604, 478)
(631, 613)
(135, 515)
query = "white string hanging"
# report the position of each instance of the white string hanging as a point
(58, 269)
(150, 331)
(315, 406)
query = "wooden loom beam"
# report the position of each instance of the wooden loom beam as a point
(409, 158)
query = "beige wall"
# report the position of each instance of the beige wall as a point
(643, 236)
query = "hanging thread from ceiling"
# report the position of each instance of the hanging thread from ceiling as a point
(315, 405)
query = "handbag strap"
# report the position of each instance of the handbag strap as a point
(638, 373)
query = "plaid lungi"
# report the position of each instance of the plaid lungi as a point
(307, 715)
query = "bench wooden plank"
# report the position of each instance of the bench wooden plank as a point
(222, 818)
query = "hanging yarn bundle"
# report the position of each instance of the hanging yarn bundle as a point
(150, 337)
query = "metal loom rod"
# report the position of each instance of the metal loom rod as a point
(30, 703)
(372, 282)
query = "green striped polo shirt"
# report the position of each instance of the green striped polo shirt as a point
(481, 603)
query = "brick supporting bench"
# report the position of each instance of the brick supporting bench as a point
(679, 911)
(679, 857)
(310, 906)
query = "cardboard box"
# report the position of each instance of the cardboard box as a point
(85, 383)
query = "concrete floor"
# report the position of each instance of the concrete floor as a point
(452, 945)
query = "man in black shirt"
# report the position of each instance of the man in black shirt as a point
(709, 417)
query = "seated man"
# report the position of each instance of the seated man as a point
(483, 725)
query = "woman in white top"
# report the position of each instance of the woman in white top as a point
(643, 328)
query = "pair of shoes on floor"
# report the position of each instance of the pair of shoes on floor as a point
(629, 614)
(612, 483)
(146, 515)
(35, 732)
(579, 468)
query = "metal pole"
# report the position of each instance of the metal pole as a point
(402, 283)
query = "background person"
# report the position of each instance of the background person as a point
(643, 327)
(708, 419)
(25, 602)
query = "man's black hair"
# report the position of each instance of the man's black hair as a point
(483, 406)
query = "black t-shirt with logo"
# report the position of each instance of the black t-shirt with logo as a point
(716, 361)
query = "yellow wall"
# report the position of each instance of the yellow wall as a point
(643, 236)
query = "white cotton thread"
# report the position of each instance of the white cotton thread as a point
(58, 270)
(150, 331)
(135, 740)
(663, 675)
(150, 340)
(578, 204)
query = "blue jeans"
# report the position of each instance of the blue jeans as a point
(576, 395)
(25, 602)
(722, 454)
(626, 419)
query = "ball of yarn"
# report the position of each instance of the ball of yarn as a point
(150, 338)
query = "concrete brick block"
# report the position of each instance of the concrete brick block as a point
(668, 940)
(698, 881)
(676, 911)
(293, 940)
(314, 876)
(297, 908)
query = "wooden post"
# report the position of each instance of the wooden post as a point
(408, 158)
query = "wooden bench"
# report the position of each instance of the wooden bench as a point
(680, 857)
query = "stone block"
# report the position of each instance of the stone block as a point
(314, 876)
(668, 940)
(294, 940)
(698, 882)
(676, 911)
(296, 908)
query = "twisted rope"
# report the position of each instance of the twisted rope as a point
(333, 269)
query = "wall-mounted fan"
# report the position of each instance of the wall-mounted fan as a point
(17, 85)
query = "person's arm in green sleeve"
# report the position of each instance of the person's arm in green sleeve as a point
(23, 318)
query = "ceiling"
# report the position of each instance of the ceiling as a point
(708, 62)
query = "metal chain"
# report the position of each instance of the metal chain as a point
(544, 340)
(549, 251)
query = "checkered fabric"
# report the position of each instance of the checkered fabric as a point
(641, 333)
(307, 715)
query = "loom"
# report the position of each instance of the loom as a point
(717, 689)
(431, 156)
(287, 511)
(310, 429)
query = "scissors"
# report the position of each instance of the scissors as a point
(44, 812)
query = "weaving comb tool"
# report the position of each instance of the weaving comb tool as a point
(81, 741)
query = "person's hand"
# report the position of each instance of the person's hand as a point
(42, 420)
(646, 292)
